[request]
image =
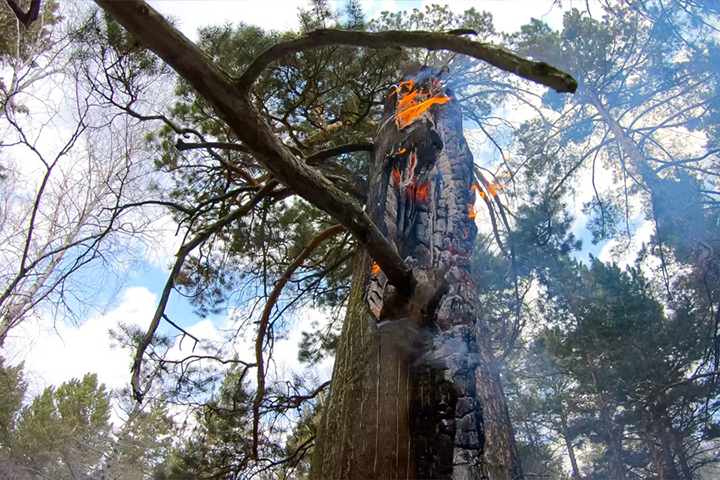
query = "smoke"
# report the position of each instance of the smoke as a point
(423, 346)
(402, 334)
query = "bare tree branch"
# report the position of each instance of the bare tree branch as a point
(294, 401)
(688, 380)
(182, 146)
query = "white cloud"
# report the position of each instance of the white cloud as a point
(285, 353)
(282, 14)
(55, 353)
(373, 9)
(615, 252)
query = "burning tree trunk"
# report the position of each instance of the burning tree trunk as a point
(403, 403)
(414, 393)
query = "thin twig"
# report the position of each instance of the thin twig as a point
(265, 319)
(185, 249)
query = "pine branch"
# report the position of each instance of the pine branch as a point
(265, 320)
(538, 72)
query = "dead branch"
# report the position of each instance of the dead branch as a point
(318, 157)
(265, 319)
(183, 252)
(182, 146)
(294, 401)
(25, 18)
(196, 358)
(184, 332)
(538, 72)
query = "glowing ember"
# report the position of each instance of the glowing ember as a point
(471, 211)
(401, 151)
(421, 192)
(396, 176)
(375, 268)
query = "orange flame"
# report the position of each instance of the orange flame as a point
(406, 117)
(492, 189)
(476, 188)
(407, 100)
(375, 268)
(471, 211)
(422, 191)
(396, 176)
(401, 151)
(407, 83)
(414, 100)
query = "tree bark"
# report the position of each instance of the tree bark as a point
(413, 389)
(569, 444)
(395, 409)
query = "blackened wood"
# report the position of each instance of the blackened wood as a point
(412, 388)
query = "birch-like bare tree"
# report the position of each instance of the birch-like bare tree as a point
(70, 170)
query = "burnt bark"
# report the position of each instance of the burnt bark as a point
(415, 393)
(232, 100)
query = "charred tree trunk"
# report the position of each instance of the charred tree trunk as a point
(414, 392)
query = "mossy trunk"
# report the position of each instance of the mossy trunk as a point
(414, 393)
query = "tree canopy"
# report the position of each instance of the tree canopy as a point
(596, 259)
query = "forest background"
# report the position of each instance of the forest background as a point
(609, 368)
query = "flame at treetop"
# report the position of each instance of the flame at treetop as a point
(375, 268)
(413, 101)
